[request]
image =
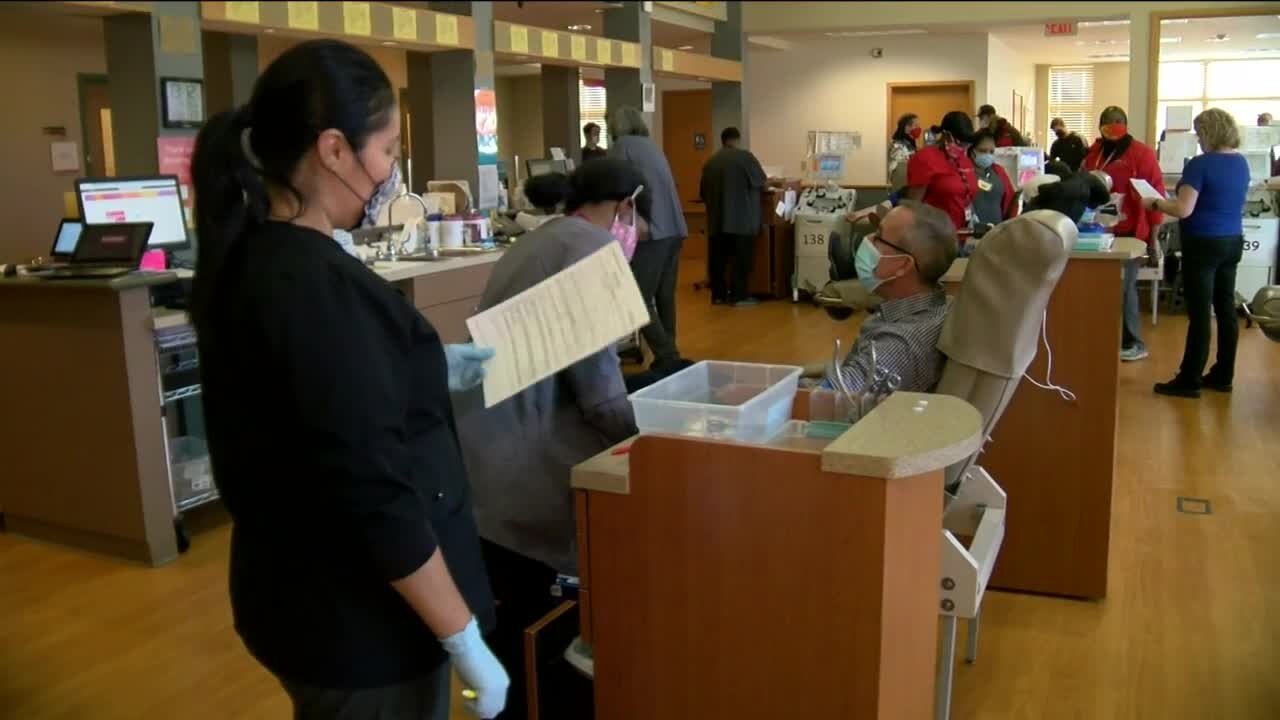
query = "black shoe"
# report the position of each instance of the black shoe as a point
(747, 302)
(719, 301)
(1209, 383)
(1177, 388)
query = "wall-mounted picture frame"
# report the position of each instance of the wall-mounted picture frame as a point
(182, 102)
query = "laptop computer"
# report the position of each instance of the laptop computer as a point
(64, 243)
(105, 251)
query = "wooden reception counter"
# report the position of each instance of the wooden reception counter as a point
(1055, 457)
(792, 579)
(85, 443)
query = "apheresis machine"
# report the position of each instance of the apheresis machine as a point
(820, 212)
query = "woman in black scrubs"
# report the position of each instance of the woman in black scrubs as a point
(356, 573)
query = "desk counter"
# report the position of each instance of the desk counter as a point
(710, 560)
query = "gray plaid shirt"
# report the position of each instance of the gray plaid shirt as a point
(905, 332)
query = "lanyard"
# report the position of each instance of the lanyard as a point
(1102, 164)
(968, 192)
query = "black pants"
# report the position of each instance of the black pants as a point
(1209, 280)
(656, 265)
(522, 589)
(742, 248)
(426, 698)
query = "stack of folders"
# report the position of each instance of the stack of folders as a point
(1094, 242)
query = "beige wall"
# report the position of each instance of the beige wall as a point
(392, 61)
(835, 84)
(1110, 87)
(520, 119)
(1008, 71)
(40, 57)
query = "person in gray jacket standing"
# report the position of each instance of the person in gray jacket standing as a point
(657, 261)
(732, 181)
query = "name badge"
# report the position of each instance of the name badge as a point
(984, 186)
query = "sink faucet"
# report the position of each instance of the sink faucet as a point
(394, 249)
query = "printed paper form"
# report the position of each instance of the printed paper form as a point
(561, 320)
(1145, 189)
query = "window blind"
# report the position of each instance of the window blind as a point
(592, 107)
(1071, 98)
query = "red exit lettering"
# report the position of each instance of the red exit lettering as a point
(1059, 28)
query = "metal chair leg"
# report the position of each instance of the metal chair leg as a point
(946, 665)
(971, 645)
(1155, 301)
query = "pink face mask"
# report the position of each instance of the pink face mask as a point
(626, 233)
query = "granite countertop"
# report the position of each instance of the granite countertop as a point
(908, 434)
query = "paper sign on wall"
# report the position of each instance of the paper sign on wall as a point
(304, 16)
(578, 47)
(550, 44)
(649, 97)
(561, 320)
(173, 157)
(245, 12)
(64, 156)
(604, 52)
(666, 60)
(355, 18)
(519, 39)
(446, 29)
(404, 23)
(630, 55)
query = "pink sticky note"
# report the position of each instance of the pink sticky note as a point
(153, 260)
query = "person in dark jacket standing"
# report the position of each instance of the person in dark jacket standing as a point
(356, 571)
(592, 150)
(1069, 148)
(732, 181)
(656, 263)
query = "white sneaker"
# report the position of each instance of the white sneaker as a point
(1135, 353)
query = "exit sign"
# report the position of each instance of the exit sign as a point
(1059, 28)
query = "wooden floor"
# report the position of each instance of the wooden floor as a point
(1191, 628)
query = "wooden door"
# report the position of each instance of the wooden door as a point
(929, 100)
(95, 105)
(687, 143)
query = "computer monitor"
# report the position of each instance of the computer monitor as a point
(544, 166)
(157, 200)
(64, 243)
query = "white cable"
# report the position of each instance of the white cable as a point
(1048, 372)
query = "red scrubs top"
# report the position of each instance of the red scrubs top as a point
(949, 184)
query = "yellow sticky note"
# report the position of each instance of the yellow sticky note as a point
(355, 18)
(245, 12)
(404, 23)
(446, 29)
(604, 52)
(578, 47)
(666, 60)
(550, 44)
(630, 55)
(304, 16)
(519, 39)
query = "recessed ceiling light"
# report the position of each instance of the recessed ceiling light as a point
(1103, 23)
(1175, 21)
(269, 31)
(876, 33)
(388, 43)
(1111, 56)
(702, 79)
(1268, 36)
(1220, 37)
(690, 47)
(1170, 40)
(580, 28)
(1101, 42)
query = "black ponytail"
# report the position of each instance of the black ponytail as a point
(312, 87)
(606, 180)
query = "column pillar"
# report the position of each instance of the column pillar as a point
(625, 86)
(561, 120)
(1141, 81)
(230, 70)
(141, 49)
(441, 99)
(728, 101)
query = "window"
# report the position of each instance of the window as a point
(1071, 98)
(591, 107)
(1244, 88)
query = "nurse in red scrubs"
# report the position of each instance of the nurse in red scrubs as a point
(942, 175)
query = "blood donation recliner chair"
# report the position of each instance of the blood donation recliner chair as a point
(1264, 311)
(992, 333)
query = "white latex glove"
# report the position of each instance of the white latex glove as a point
(479, 670)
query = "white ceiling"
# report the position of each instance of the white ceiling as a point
(1191, 39)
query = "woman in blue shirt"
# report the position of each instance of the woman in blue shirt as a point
(1210, 204)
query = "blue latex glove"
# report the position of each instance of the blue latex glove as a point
(466, 365)
(479, 670)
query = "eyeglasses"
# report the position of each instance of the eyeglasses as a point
(878, 237)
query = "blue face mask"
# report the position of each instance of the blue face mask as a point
(866, 260)
(984, 160)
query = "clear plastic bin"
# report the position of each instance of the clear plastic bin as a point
(727, 400)
(190, 471)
